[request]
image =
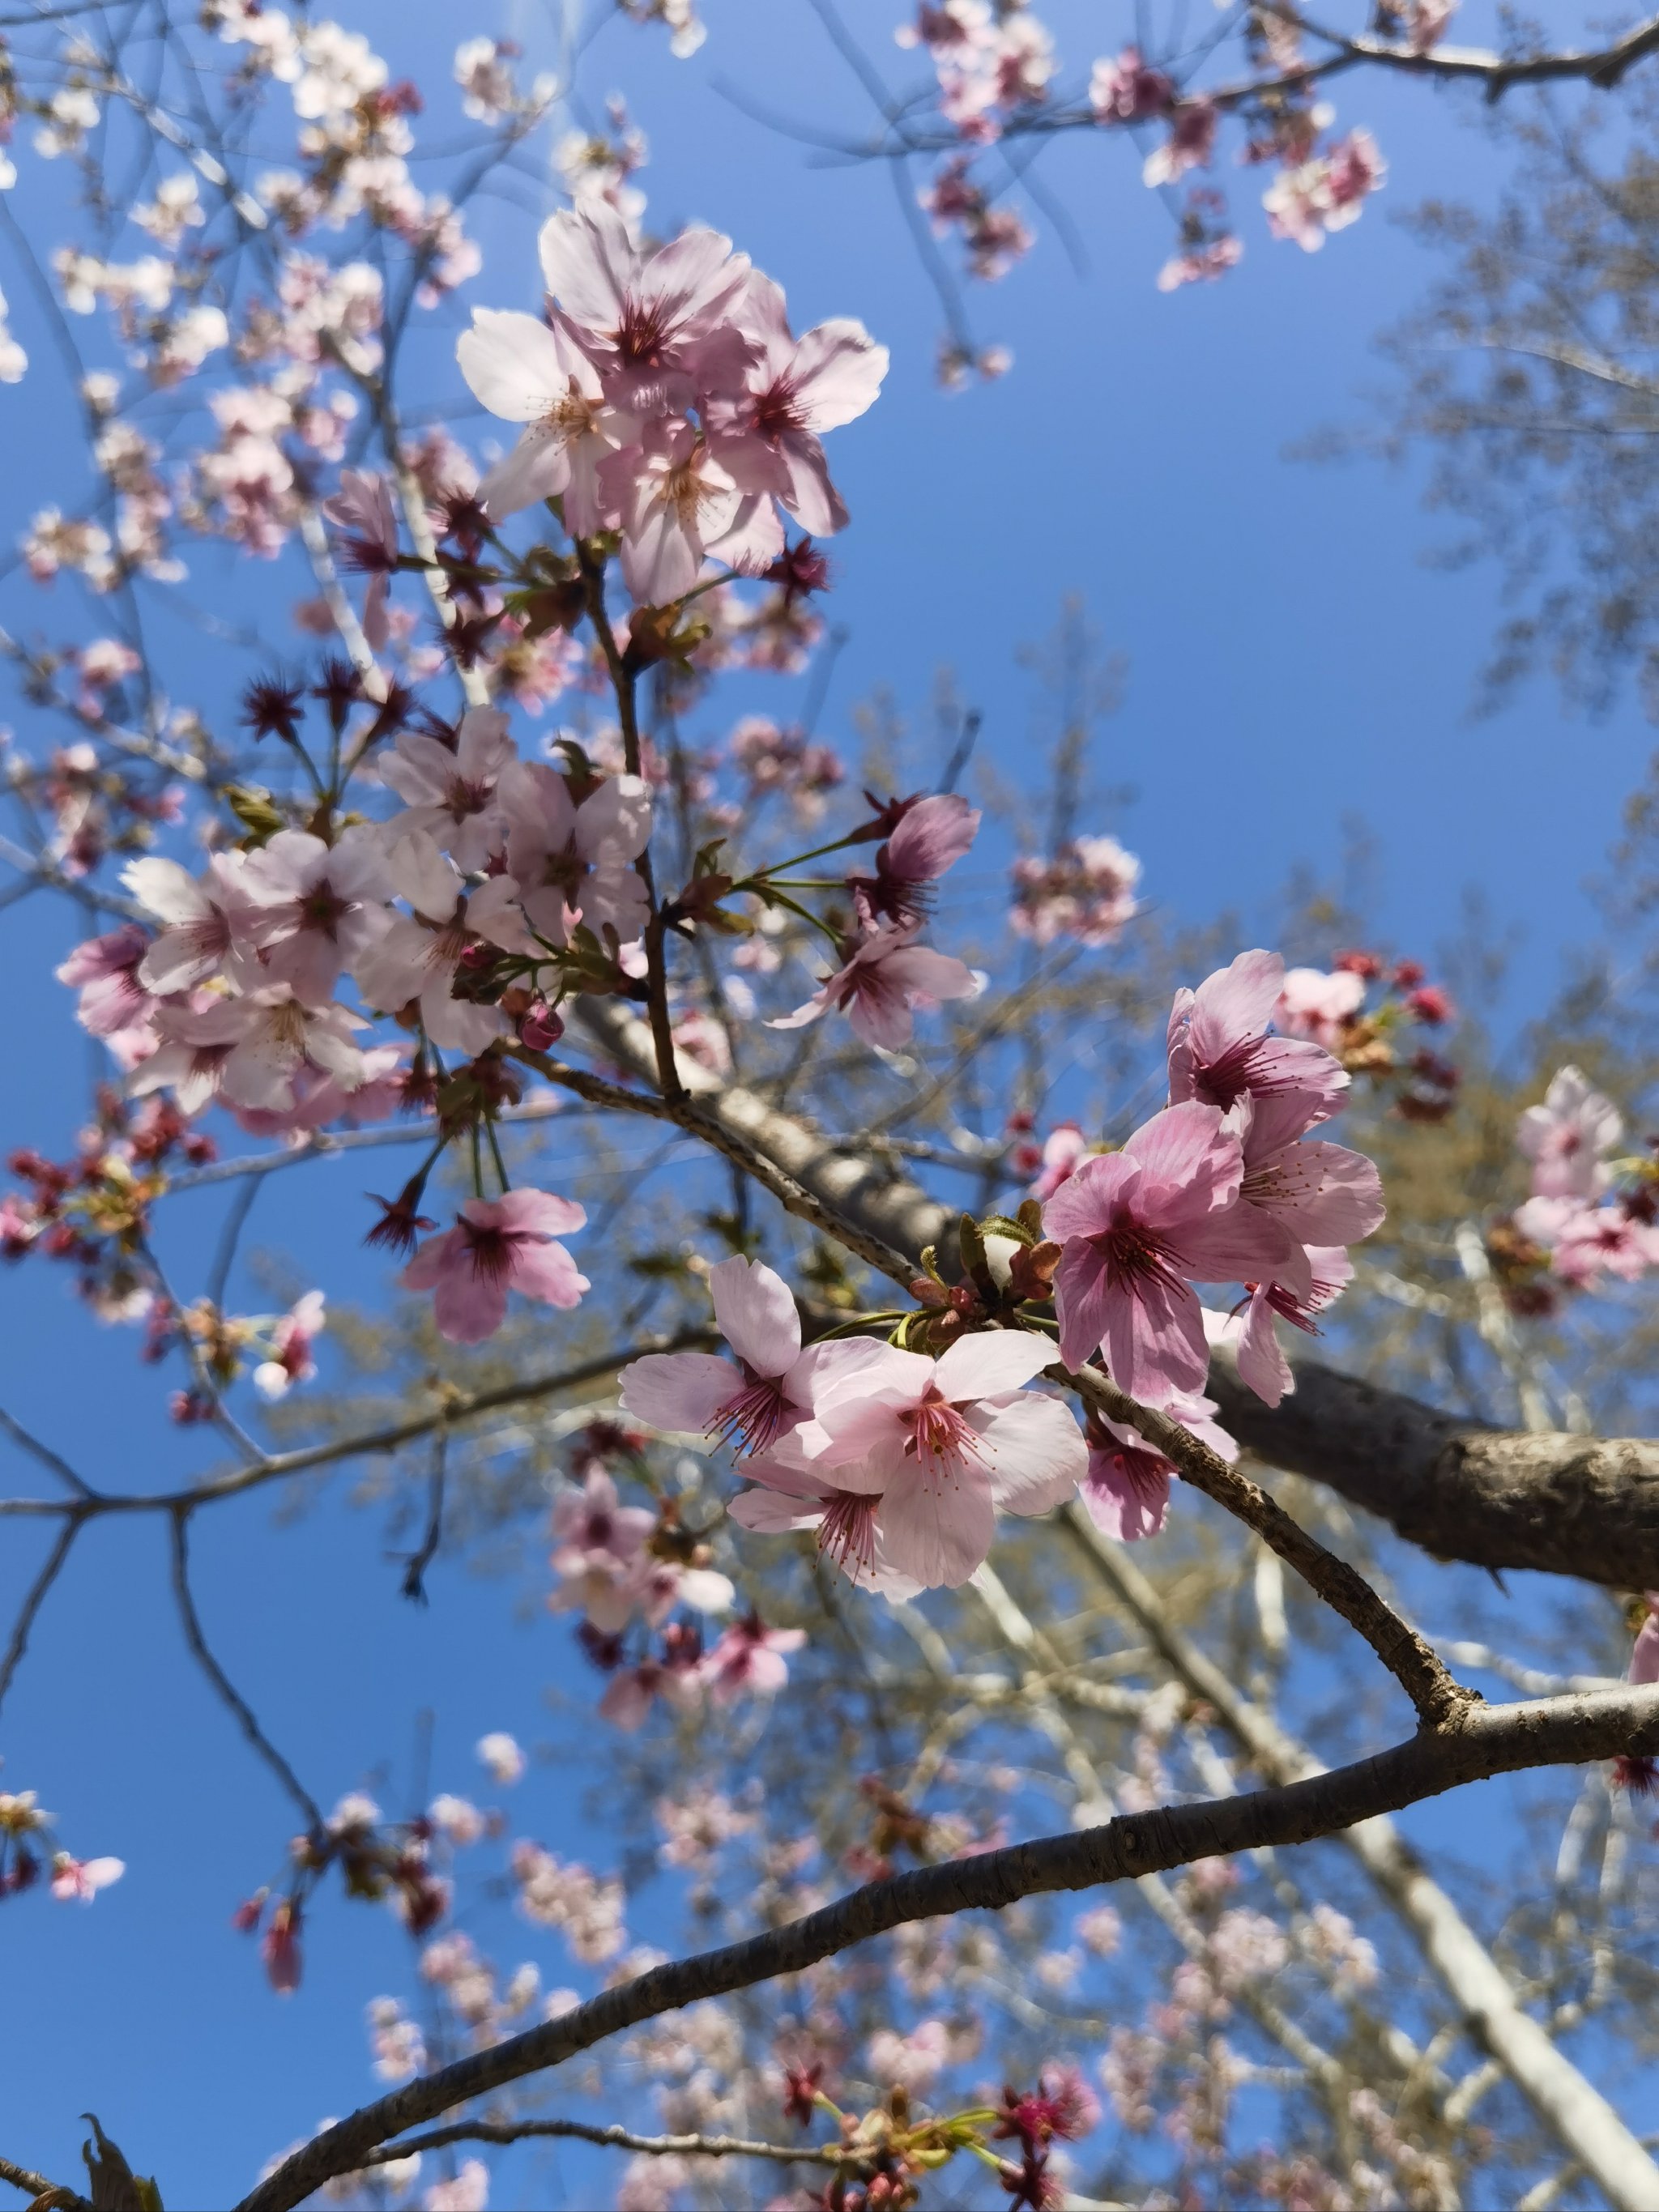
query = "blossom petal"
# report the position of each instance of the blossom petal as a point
(757, 1313)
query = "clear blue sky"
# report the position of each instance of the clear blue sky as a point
(1291, 665)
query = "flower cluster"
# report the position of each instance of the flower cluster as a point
(667, 399)
(1085, 891)
(30, 1854)
(1592, 1216)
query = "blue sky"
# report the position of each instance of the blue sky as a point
(1292, 664)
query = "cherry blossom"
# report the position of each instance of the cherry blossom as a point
(1126, 1487)
(1316, 1006)
(749, 1658)
(766, 436)
(1262, 1366)
(253, 1050)
(291, 1360)
(1220, 1050)
(525, 372)
(416, 958)
(571, 864)
(1138, 1228)
(655, 325)
(1063, 1148)
(930, 837)
(500, 1755)
(450, 794)
(1084, 890)
(105, 970)
(676, 502)
(1566, 1138)
(937, 1446)
(495, 1246)
(207, 923)
(79, 1880)
(767, 1393)
(320, 907)
(885, 976)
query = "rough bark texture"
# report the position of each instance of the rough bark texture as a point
(1564, 1504)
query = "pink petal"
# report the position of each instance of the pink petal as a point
(938, 1533)
(1085, 1203)
(1126, 1495)
(1262, 1366)
(547, 1272)
(680, 1392)
(757, 1313)
(1236, 1002)
(1154, 1340)
(988, 1364)
(1036, 1448)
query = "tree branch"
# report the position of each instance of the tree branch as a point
(620, 2138)
(1488, 1741)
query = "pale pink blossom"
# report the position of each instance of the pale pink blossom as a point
(1262, 1366)
(749, 1658)
(571, 865)
(885, 976)
(363, 509)
(1190, 144)
(1566, 1138)
(320, 907)
(1313, 1005)
(937, 1446)
(1064, 1148)
(930, 837)
(291, 1340)
(1129, 90)
(598, 1553)
(1084, 890)
(1220, 1050)
(912, 2063)
(749, 1405)
(495, 1246)
(1126, 1488)
(206, 923)
(465, 2190)
(417, 959)
(525, 372)
(767, 436)
(1645, 1653)
(105, 970)
(676, 501)
(79, 1880)
(254, 1050)
(655, 325)
(500, 1755)
(1323, 1193)
(1138, 1228)
(1585, 1242)
(452, 794)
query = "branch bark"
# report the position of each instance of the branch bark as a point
(1486, 1741)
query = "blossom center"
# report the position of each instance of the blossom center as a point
(938, 1437)
(847, 1532)
(752, 1418)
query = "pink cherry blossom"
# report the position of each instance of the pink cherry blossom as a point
(1220, 1050)
(749, 1656)
(525, 372)
(417, 957)
(495, 1246)
(105, 970)
(1138, 1228)
(1644, 1655)
(452, 795)
(1063, 1148)
(885, 976)
(938, 1446)
(766, 436)
(320, 906)
(1126, 1488)
(1129, 90)
(1314, 1004)
(767, 1393)
(1323, 1193)
(253, 1049)
(79, 1880)
(291, 1340)
(206, 923)
(655, 325)
(363, 509)
(1262, 1366)
(676, 501)
(930, 836)
(599, 1552)
(571, 864)
(1190, 144)
(1587, 1242)
(1566, 1137)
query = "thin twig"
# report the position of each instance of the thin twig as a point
(620, 2138)
(33, 1600)
(227, 1689)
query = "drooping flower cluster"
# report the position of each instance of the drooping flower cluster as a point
(1085, 891)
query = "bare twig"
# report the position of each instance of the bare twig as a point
(620, 2138)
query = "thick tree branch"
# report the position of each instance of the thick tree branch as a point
(1486, 1741)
